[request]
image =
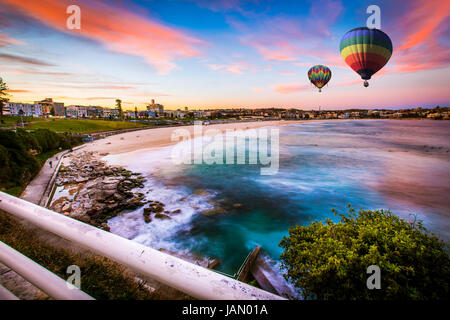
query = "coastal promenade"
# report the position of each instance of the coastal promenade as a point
(39, 192)
(35, 193)
(36, 189)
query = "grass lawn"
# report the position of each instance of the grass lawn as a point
(10, 121)
(84, 126)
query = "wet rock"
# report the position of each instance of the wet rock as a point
(176, 211)
(201, 192)
(213, 263)
(162, 216)
(147, 217)
(214, 211)
(99, 192)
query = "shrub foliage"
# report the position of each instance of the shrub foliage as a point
(17, 164)
(327, 260)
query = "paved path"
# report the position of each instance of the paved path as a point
(36, 188)
(34, 192)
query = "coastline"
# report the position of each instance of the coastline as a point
(157, 138)
(170, 208)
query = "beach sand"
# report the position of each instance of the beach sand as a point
(156, 138)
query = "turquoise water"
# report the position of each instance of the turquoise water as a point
(399, 165)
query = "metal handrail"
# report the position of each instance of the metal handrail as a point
(194, 280)
(5, 294)
(243, 264)
(37, 275)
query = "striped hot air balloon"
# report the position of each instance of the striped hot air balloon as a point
(366, 51)
(319, 76)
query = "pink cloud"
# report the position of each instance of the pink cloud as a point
(118, 30)
(286, 72)
(288, 88)
(292, 39)
(5, 39)
(274, 51)
(235, 68)
(418, 36)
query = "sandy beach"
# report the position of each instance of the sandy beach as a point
(161, 137)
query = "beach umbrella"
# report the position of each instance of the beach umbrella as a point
(366, 51)
(319, 76)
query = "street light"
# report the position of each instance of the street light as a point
(21, 117)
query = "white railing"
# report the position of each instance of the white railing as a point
(40, 277)
(6, 295)
(194, 280)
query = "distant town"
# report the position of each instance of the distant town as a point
(48, 108)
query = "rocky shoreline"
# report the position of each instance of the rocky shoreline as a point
(92, 192)
(89, 190)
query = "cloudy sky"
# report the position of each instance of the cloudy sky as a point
(224, 53)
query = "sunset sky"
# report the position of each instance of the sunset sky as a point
(213, 54)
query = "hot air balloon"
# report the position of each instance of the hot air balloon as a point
(319, 76)
(366, 51)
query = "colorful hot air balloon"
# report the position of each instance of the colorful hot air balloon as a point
(366, 51)
(319, 76)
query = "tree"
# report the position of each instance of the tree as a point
(327, 260)
(119, 107)
(3, 95)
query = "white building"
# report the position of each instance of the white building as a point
(28, 109)
(71, 111)
(110, 113)
(37, 110)
(6, 111)
(82, 112)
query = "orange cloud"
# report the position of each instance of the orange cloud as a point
(118, 30)
(17, 91)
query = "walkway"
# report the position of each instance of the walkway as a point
(36, 188)
(35, 192)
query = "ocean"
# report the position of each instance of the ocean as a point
(401, 165)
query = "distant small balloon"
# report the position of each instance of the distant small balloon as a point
(366, 51)
(319, 76)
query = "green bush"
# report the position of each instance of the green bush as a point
(17, 165)
(327, 260)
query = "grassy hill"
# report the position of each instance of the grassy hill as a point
(10, 121)
(83, 126)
